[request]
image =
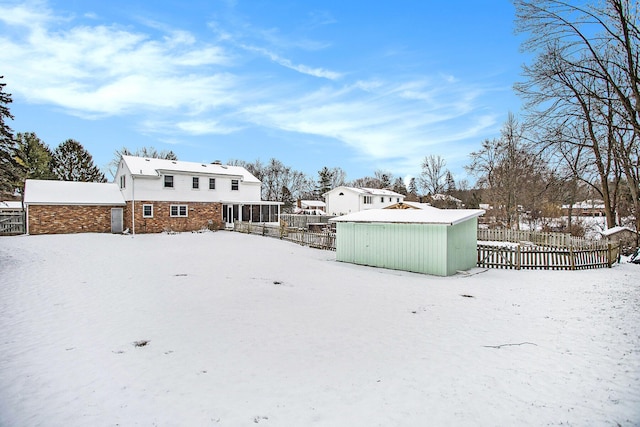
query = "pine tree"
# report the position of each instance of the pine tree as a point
(34, 156)
(450, 183)
(9, 168)
(399, 187)
(71, 162)
(325, 177)
(412, 190)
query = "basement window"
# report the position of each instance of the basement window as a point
(178, 210)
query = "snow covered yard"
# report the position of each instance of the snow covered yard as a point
(243, 330)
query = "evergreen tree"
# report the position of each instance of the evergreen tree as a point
(9, 168)
(412, 191)
(450, 183)
(325, 178)
(399, 187)
(71, 162)
(34, 157)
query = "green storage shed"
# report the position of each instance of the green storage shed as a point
(431, 240)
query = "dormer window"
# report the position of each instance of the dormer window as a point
(168, 181)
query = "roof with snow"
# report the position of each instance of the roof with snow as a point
(10, 205)
(614, 230)
(144, 166)
(49, 192)
(368, 191)
(313, 203)
(428, 215)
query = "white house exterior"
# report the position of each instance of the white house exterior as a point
(343, 200)
(166, 194)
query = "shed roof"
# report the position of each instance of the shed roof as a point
(427, 215)
(49, 192)
(615, 230)
(144, 166)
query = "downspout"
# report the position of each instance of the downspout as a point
(133, 206)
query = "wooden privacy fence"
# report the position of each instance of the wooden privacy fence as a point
(558, 240)
(12, 223)
(594, 255)
(324, 240)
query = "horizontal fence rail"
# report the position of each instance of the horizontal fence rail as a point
(12, 223)
(324, 240)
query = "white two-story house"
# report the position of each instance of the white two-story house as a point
(182, 196)
(343, 200)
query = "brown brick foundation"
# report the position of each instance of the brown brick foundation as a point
(201, 215)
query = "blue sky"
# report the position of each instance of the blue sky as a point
(359, 85)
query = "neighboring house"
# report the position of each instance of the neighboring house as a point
(430, 240)
(343, 200)
(310, 207)
(446, 200)
(184, 196)
(585, 208)
(72, 207)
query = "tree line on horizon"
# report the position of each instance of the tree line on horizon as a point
(577, 138)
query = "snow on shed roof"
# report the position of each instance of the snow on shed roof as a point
(144, 166)
(614, 230)
(412, 216)
(45, 192)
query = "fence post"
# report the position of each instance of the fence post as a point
(518, 257)
(609, 254)
(572, 258)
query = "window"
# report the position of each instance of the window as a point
(168, 181)
(234, 184)
(212, 183)
(178, 210)
(398, 200)
(123, 181)
(367, 200)
(381, 199)
(195, 183)
(147, 211)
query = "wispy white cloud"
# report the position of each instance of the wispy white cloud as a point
(179, 85)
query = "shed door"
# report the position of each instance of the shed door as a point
(116, 220)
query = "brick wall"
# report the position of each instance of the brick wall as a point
(199, 215)
(55, 219)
